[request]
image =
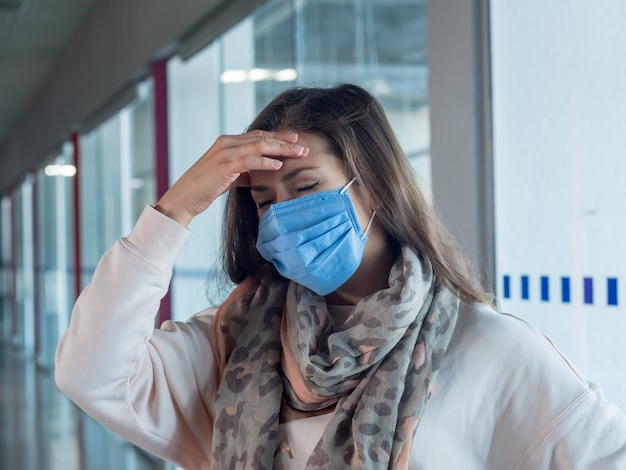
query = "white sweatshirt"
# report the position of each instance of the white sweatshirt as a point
(505, 398)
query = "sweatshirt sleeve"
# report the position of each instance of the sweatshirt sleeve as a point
(550, 413)
(151, 386)
(509, 399)
(590, 434)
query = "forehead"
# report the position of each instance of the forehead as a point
(317, 144)
(319, 159)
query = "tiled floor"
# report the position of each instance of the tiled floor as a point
(40, 429)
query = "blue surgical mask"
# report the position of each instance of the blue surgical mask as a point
(314, 240)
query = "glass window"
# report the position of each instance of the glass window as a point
(378, 44)
(100, 196)
(55, 263)
(194, 108)
(558, 98)
(23, 330)
(140, 184)
(116, 177)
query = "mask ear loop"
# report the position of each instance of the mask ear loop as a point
(345, 188)
(369, 223)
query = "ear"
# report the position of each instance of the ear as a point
(365, 198)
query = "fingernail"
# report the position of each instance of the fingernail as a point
(277, 163)
(291, 136)
(297, 148)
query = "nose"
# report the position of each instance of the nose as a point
(282, 196)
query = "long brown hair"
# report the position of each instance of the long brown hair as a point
(355, 126)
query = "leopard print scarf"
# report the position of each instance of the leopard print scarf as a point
(377, 370)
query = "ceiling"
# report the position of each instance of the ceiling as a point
(32, 34)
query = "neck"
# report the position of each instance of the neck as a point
(373, 272)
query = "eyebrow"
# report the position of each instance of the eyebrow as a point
(288, 176)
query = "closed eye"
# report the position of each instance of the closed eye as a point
(301, 189)
(263, 204)
(308, 187)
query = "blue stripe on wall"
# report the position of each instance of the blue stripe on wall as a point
(611, 284)
(506, 286)
(545, 288)
(565, 294)
(588, 290)
(588, 296)
(525, 288)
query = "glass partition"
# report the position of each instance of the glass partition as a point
(139, 186)
(100, 196)
(55, 264)
(378, 44)
(24, 327)
(116, 177)
(194, 108)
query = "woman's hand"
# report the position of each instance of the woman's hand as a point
(224, 166)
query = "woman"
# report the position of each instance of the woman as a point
(357, 336)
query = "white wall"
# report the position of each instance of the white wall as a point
(560, 167)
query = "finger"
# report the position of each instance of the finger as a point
(252, 163)
(263, 163)
(272, 148)
(230, 141)
(261, 155)
(287, 136)
(291, 137)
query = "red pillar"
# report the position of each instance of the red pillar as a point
(161, 135)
